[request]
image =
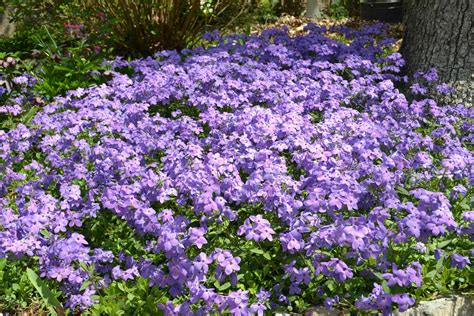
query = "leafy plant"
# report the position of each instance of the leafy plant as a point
(16, 291)
(141, 27)
(49, 298)
(20, 102)
(252, 174)
(62, 68)
(337, 11)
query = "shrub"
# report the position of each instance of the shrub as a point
(131, 27)
(68, 65)
(141, 27)
(30, 17)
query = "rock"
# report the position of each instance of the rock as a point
(455, 305)
(445, 306)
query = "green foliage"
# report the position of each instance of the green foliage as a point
(26, 12)
(266, 13)
(107, 231)
(54, 67)
(64, 68)
(350, 6)
(129, 298)
(16, 290)
(130, 27)
(29, 17)
(49, 298)
(12, 67)
(141, 27)
(337, 11)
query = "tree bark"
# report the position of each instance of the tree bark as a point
(439, 34)
(7, 27)
(314, 8)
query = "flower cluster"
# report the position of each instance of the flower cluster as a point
(250, 170)
(256, 228)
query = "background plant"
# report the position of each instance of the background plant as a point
(143, 27)
(29, 80)
(68, 65)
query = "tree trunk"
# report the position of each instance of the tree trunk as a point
(7, 28)
(314, 8)
(439, 34)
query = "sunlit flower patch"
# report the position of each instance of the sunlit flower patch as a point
(255, 173)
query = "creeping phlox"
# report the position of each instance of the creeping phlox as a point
(253, 170)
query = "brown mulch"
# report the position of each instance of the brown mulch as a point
(296, 25)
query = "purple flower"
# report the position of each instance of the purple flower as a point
(458, 191)
(331, 301)
(421, 247)
(438, 253)
(256, 228)
(431, 75)
(291, 242)
(468, 215)
(406, 277)
(302, 144)
(128, 274)
(403, 300)
(258, 308)
(196, 237)
(335, 268)
(459, 261)
(21, 80)
(444, 88)
(418, 89)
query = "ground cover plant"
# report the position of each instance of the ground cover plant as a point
(252, 174)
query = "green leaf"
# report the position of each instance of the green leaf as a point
(48, 296)
(403, 191)
(3, 263)
(444, 243)
(28, 116)
(121, 287)
(224, 286)
(83, 266)
(385, 287)
(85, 285)
(439, 264)
(330, 284)
(258, 251)
(267, 256)
(430, 275)
(464, 205)
(379, 276)
(62, 68)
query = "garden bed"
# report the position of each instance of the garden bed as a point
(255, 173)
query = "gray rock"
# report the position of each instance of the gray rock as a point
(445, 306)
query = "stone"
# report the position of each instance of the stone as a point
(455, 305)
